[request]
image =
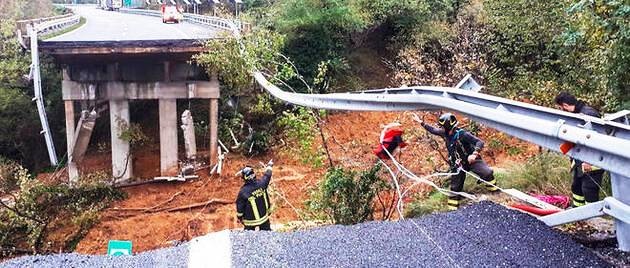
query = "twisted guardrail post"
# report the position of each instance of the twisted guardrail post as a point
(33, 28)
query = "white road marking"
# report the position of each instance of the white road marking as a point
(211, 250)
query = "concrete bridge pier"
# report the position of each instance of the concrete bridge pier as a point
(213, 129)
(122, 169)
(168, 137)
(73, 172)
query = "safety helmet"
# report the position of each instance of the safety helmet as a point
(248, 173)
(448, 121)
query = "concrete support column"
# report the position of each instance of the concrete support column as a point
(168, 137)
(73, 173)
(121, 155)
(621, 189)
(214, 124)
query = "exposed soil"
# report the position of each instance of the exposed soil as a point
(351, 136)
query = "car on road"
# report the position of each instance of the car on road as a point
(171, 14)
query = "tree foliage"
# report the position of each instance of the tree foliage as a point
(526, 50)
(599, 37)
(20, 128)
(251, 116)
(298, 128)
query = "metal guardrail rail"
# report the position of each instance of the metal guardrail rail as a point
(215, 22)
(603, 143)
(21, 24)
(543, 126)
(33, 29)
(57, 25)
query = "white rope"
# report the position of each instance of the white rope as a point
(481, 180)
(399, 205)
(424, 180)
(435, 243)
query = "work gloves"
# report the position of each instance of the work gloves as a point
(269, 165)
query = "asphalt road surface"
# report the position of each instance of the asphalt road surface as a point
(481, 235)
(115, 26)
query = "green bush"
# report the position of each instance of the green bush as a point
(258, 143)
(10, 175)
(34, 207)
(347, 197)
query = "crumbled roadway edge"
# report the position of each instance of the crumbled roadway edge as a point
(481, 235)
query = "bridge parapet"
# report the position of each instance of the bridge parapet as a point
(215, 22)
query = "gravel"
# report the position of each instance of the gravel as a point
(481, 235)
(166, 257)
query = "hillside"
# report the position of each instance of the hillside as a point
(351, 138)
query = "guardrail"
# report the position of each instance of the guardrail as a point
(216, 22)
(21, 24)
(33, 28)
(57, 25)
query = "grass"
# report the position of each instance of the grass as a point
(67, 30)
(544, 173)
(435, 202)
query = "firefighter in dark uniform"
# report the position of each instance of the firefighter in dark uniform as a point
(463, 151)
(586, 177)
(252, 202)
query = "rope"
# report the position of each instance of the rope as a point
(279, 192)
(601, 189)
(424, 180)
(450, 259)
(481, 180)
(399, 205)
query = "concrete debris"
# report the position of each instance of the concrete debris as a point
(188, 126)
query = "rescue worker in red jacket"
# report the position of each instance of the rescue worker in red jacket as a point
(463, 151)
(252, 202)
(586, 177)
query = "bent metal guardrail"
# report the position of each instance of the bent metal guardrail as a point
(600, 142)
(34, 28)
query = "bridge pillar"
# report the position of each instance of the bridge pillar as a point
(213, 126)
(122, 168)
(168, 137)
(73, 173)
